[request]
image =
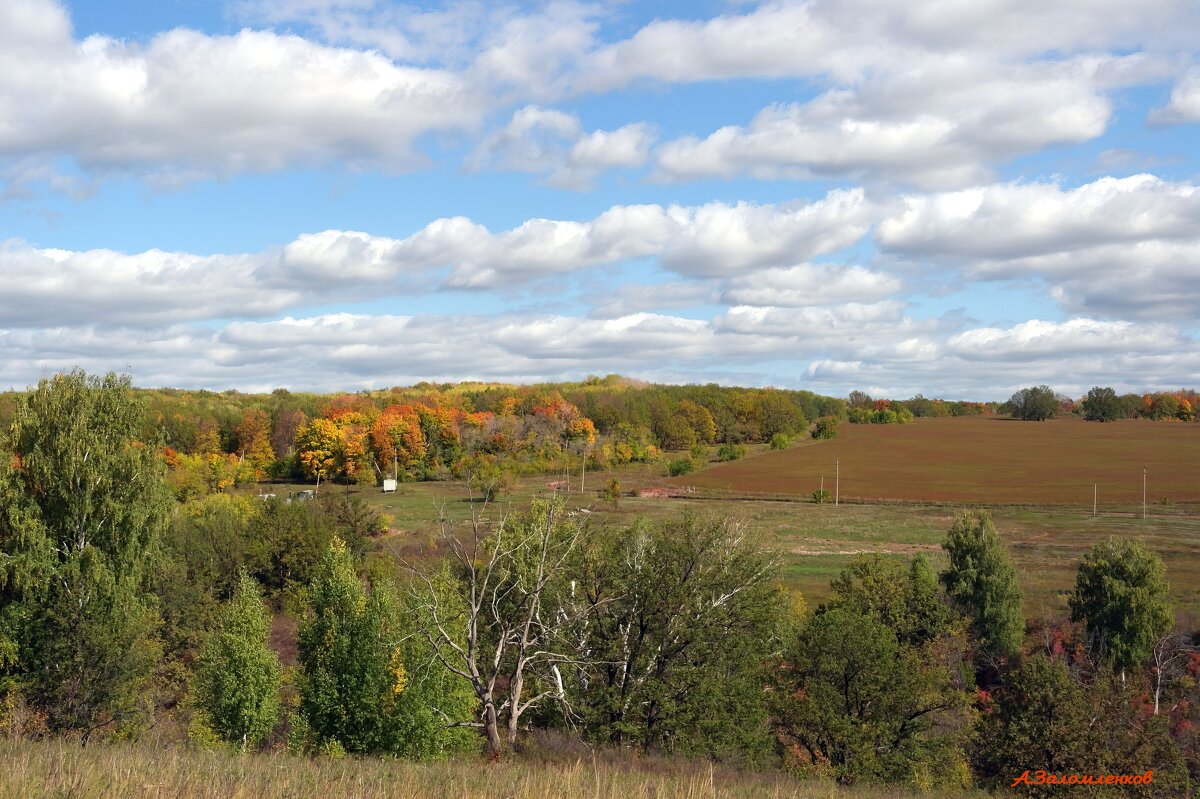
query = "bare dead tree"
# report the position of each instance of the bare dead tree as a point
(496, 620)
(1169, 655)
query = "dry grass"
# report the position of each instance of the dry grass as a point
(58, 769)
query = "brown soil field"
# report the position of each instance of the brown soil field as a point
(981, 459)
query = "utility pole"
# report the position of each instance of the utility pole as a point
(1095, 495)
(1143, 492)
(837, 482)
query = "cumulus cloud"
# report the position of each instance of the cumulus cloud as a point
(939, 124)
(1020, 219)
(1184, 105)
(923, 93)
(1119, 247)
(553, 144)
(1037, 339)
(811, 284)
(1070, 356)
(185, 104)
(846, 41)
(710, 240)
(154, 287)
(855, 345)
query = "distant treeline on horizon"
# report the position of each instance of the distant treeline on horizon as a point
(440, 430)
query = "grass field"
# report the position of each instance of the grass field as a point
(60, 769)
(987, 460)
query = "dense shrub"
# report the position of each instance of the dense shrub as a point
(680, 467)
(731, 452)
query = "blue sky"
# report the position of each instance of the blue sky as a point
(951, 198)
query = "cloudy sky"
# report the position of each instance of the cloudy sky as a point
(952, 197)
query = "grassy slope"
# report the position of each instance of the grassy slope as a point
(54, 768)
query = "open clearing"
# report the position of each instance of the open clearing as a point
(986, 460)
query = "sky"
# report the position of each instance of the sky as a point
(956, 198)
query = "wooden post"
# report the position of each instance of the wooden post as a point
(837, 482)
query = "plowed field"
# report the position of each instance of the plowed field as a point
(984, 460)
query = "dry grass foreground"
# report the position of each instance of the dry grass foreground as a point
(982, 459)
(60, 769)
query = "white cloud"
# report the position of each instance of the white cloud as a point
(811, 284)
(1037, 339)
(154, 287)
(720, 240)
(940, 123)
(838, 348)
(988, 362)
(711, 240)
(1121, 248)
(846, 328)
(845, 41)
(1012, 220)
(1184, 105)
(186, 105)
(553, 144)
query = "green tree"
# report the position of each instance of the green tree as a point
(852, 702)
(1034, 404)
(1102, 405)
(368, 684)
(83, 506)
(1040, 719)
(287, 541)
(904, 599)
(982, 583)
(237, 679)
(676, 622)
(1121, 597)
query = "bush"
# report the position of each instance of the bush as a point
(612, 491)
(826, 427)
(680, 467)
(780, 441)
(731, 452)
(821, 495)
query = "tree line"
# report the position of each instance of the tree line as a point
(1102, 404)
(121, 609)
